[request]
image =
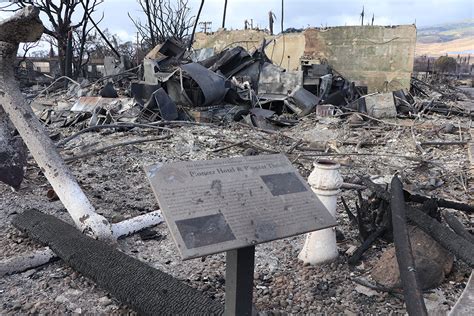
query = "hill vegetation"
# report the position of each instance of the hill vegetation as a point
(451, 39)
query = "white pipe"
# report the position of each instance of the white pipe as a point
(26, 261)
(44, 151)
(325, 181)
(135, 224)
(37, 258)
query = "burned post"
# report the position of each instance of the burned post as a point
(411, 289)
(224, 14)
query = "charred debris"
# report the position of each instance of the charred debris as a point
(234, 85)
(176, 87)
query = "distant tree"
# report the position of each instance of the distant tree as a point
(165, 19)
(445, 64)
(44, 53)
(25, 49)
(100, 49)
(63, 16)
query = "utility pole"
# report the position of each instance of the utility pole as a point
(225, 11)
(282, 15)
(205, 26)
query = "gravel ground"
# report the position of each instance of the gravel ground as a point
(116, 184)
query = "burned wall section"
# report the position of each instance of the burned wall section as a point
(376, 56)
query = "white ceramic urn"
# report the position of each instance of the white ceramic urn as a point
(325, 181)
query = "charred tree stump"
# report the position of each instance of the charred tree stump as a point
(406, 263)
(147, 290)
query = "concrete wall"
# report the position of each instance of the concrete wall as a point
(377, 56)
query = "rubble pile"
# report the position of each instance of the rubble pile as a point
(181, 106)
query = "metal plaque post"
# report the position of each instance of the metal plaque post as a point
(239, 271)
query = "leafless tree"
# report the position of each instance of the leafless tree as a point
(25, 49)
(63, 16)
(165, 19)
(100, 49)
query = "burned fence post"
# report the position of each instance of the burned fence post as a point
(26, 26)
(406, 263)
(457, 226)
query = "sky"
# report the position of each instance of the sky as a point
(303, 13)
(298, 13)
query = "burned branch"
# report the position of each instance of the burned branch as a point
(165, 19)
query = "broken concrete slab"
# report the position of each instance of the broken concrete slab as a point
(381, 105)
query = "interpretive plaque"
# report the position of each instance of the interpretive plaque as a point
(217, 205)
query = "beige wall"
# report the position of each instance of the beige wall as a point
(377, 56)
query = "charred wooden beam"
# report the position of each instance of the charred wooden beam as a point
(449, 240)
(466, 208)
(457, 226)
(354, 259)
(406, 263)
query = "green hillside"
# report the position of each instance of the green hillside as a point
(446, 32)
